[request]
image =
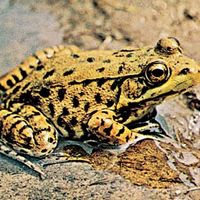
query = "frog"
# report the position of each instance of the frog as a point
(107, 96)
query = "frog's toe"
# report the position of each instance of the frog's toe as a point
(62, 157)
(4, 149)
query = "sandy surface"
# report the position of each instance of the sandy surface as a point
(145, 171)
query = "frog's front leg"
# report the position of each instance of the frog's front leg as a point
(104, 125)
(25, 130)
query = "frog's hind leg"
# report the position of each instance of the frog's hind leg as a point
(31, 63)
(27, 131)
(7, 151)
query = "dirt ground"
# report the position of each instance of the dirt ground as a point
(148, 170)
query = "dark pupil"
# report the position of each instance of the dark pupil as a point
(157, 72)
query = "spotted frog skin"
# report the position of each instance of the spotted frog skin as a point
(104, 96)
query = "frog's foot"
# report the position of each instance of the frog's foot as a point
(152, 129)
(103, 125)
(7, 151)
(61, 158)
(26, 131)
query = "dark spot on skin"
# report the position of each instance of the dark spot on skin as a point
(26, 86)
(9, 83)
(127, 50)
(85, 132)
(39, 62)
(100, 82)
(121, 131)
(7, 115)
(108, 130)
(98, 98)
(40, 67)
(110, 103)
(44, 92)
(75, 101)
(23, 72)
(52, 110)
(73, 121)
(120, 55)
(65, 111)
(115, 53)
(15, 78)
(26, 143)
(184, 71)
(105, 112)
(120, 69)
(70, 131)
(2, 88)
(50, 140)
(15, 124)
(100, 69)
(48, 74)
(75, 56)
(16, 89)
(35, 56)
(68, 72)
(35, 113)
(86, 82)
(90, 59)
(129, 55)
(60, 121)
(61, 94)
(153, 94)
(55, 135)
(31, 67)
(44, 150)
(107, 61)
(114, 84)
(102, 122)
(86, 106)
(81, 93)
(22, 151)
(127, 138)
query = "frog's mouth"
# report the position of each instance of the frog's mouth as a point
(175, 86)
(160, 98)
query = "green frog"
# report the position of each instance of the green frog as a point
(106, 96)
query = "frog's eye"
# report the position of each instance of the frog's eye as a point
(156, 73)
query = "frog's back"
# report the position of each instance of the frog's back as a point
(90, 65)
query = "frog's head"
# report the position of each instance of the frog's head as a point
(164, 71)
